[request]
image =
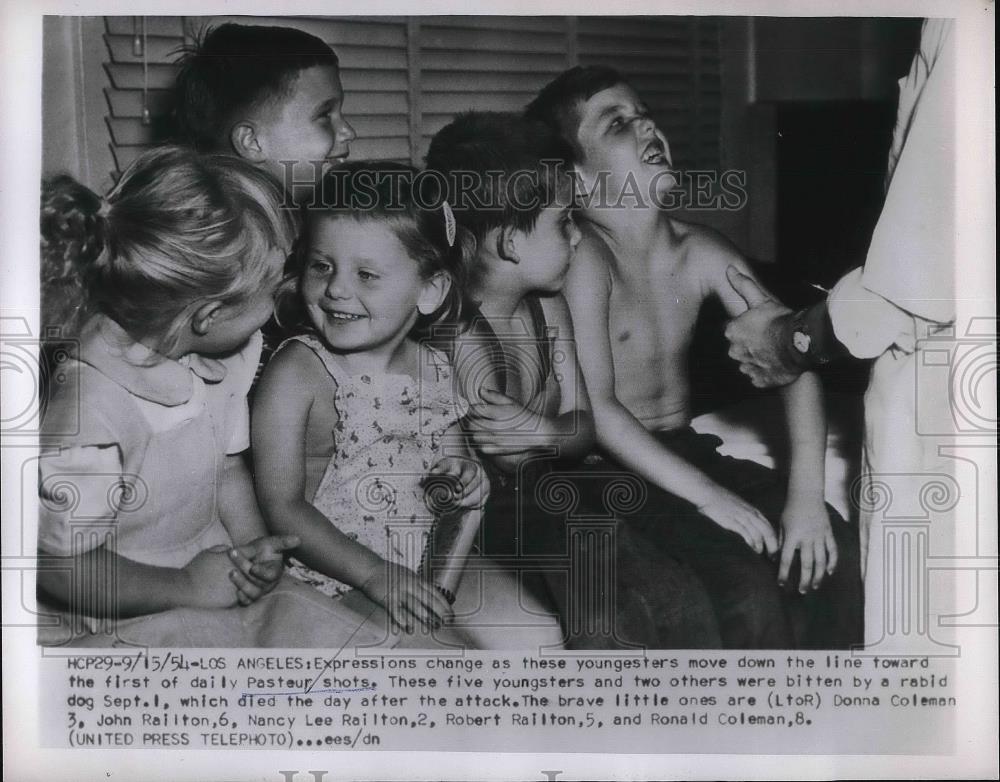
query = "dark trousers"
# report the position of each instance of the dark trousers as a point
(561, 525)
(752, 610)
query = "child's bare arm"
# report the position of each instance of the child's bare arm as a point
(575, 422)
(804, 520)
(100, 582)
(256, 553)
(570, 430)
(588, 292)
(237, 502)
(805, 523)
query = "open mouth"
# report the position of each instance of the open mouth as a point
(344, 317)
(332, 161)
(655, 153)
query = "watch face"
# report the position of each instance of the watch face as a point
(801, 341)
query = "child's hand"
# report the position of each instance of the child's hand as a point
(407, 598)
(502, 426)
(210, 580)
(261, 563)
(472, 487)
(807, 530)
(736, 515)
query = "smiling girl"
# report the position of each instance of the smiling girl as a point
(355, 419)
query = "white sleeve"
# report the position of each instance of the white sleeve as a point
(864, 322)
(78, 490)
(911, 258)
(240, 371)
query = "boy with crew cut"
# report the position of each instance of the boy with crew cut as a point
(270, 95)
(512, 192)
(635, 290)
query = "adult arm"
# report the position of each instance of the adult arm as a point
(909, 268)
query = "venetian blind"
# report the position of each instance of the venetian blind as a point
(141, 53)
(405, 77)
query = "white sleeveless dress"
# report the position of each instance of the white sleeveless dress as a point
(389, 433)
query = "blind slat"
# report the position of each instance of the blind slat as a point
(541, 24)
(380, 127)
(129, 76)
(130, 132)
(375, 102)
(473, 81)
(488, 61)
(452, 103)
(624, 47)
(489, 40)
(171, 26)
(637, 27)
(374, 31)
(375, 57)
(158, 50)
(128, 103)
(124, 155)
(381, 149)
(372, 81)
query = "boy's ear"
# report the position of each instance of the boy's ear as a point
(245, 142)
(507, 244)
(205, 316)
(432, 295)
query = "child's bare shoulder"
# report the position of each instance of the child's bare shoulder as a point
(593, 262)
(294, 372)
(706, 256)
(707, 247)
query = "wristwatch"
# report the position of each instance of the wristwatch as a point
(810, 338)
(801, 340)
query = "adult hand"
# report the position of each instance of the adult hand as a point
(758, 337)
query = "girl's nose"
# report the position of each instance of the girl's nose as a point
(336, 289)
(575, 235)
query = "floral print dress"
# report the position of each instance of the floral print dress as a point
(389, 433)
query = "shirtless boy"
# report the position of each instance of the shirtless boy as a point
(635, 289)
(531, 421)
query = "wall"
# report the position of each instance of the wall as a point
(74, 133)
(770, 61)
